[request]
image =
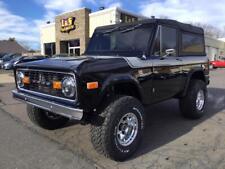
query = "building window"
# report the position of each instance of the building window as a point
(49, 49)
(127, 18)
(192, 44)
(72, 47)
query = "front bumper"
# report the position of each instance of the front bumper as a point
(50, 106)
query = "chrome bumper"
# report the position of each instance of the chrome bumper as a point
(50, 106)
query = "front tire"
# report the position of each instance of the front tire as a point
(119, 135)
(193, 104)
(45, 119)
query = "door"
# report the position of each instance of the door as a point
(74, 47)
(74, 51)
(167, 67)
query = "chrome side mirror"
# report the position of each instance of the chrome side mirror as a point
(169, 52)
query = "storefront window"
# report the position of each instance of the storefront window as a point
(72, 47)
(49, 49)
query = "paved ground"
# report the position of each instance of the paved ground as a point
(170, 141)
(22, 148)
(6, 77)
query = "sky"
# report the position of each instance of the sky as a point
(21, 19)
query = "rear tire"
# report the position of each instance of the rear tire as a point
(45, 119)
(120, 134)
(193, 104)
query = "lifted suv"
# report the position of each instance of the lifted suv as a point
(125, 67)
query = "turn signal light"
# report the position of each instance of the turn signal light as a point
(92, 85)
(57, 85)
(26, 80)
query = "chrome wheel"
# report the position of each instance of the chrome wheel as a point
(127, 129)
(200, 100)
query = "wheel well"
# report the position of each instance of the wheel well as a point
(128, 89)
(198, 75)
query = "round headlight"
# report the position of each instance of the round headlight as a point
(19, 78)
(69, 87)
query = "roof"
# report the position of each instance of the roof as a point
(74, 10)
(169, 22)
(48, 25)
(11, 46)
(116, 9)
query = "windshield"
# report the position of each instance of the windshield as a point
(124, 41)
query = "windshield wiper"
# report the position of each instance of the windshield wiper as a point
(132, 28)
(111, 30)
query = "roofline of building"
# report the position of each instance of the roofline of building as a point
(48, 25)
(219, 39)
(222, 39)
(116, 9)
(97, 13)
(77, 9)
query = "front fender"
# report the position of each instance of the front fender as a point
(119, 79)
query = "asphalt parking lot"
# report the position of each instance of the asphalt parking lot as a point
(170, 141)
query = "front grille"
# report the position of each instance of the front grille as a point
(42, 82)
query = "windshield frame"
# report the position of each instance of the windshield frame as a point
(123, 28)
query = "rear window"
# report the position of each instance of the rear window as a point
(192, 44)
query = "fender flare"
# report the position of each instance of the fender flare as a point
(190, 75)
(119, 79)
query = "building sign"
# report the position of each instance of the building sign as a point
(68, 24)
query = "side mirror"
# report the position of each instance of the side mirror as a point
(168, 53)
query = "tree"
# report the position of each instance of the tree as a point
(210, 30)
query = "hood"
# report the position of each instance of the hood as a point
(83, 63)
(59, 63)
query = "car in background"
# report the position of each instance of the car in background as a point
(220, 63)
(7, 58)
(2, 54)
(9, 65)
(31, 58)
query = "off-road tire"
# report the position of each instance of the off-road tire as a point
(103, 136)
(188, 103)
(40, 118)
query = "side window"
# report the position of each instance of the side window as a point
(166, 38)
(192, 44)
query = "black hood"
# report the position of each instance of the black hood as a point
(61, 63)
(83, 63)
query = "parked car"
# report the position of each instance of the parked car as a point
(220, 63)
(33, 58)
(124, 68)
(2, 54)
(7, 58)
(10, 64)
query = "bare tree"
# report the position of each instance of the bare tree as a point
(210, 30)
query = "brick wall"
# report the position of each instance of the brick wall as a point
(81, 32)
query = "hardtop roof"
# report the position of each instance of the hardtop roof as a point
(182, 26)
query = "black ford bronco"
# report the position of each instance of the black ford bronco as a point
(125, 67)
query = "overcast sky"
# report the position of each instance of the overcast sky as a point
(22, 18)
